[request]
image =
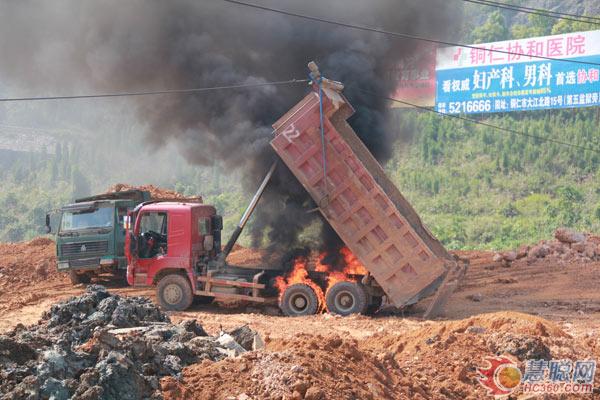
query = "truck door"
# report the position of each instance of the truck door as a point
(153, 246)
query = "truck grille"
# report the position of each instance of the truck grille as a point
(87, 262)
(84, 248)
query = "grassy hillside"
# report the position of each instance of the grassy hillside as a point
(477, 187)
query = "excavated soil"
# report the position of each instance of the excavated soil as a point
(391, 358)
(546, 307)
(155, 192)
(24, 266)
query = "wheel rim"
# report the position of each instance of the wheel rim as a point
(298, 302)
(172, 294)
(344, 301)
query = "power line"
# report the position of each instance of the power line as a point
(537, 11)
(397, 34)
(540, 11)
(171, 91)
(500, 128)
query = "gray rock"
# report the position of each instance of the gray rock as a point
(477, 330)
(524, 347)
(258, 342)
(54, 389)
(118, 379)
(244, 336)
(100, 345)
(228, 342)
(191, 325)
(173, 363)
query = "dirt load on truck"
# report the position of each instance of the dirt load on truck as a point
(156, 193)
(355, 196)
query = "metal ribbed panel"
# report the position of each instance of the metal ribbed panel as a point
(84, 248)
(387, 237)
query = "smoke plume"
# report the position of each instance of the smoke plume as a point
(68, 45)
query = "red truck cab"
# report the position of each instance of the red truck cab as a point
(168, 243)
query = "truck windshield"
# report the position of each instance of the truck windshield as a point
(97, 218)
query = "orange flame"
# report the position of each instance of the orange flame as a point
(299, 273)
(353, 266)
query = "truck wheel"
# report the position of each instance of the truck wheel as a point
(299, 299)
(174, 293)
(76, 278)
(345, 298)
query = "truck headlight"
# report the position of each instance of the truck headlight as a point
(63, 265)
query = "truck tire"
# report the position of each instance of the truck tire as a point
(299, 299)
(345, 298)
(174, 293)
(77, 278)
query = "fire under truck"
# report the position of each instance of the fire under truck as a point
(176, 246)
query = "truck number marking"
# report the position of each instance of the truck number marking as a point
(291, 132)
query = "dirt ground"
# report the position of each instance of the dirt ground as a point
(546, 307)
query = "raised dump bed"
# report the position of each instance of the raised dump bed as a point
(359, 201)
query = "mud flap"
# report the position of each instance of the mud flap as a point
(451, 282)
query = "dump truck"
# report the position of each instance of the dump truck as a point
(90, 238)
(176, 246)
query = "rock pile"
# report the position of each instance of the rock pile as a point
(100, 345)
(568, 246)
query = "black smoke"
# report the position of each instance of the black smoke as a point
(118, 45)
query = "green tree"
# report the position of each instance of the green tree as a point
(567, 26)
(493, 30)
(537, 25)
(569, 210)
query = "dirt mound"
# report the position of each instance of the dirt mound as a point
(308, 366)
(569, 246)
(100, 345)
(404, 360)
(440, 359)
(156, 192)
(23, 265)
(507, 322)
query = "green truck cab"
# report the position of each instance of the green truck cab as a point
(90, 238)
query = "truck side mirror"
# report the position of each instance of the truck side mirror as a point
(48, 227)
(208, 242)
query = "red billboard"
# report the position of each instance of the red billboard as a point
(415, 77)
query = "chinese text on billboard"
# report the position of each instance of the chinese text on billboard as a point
(478, 80)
